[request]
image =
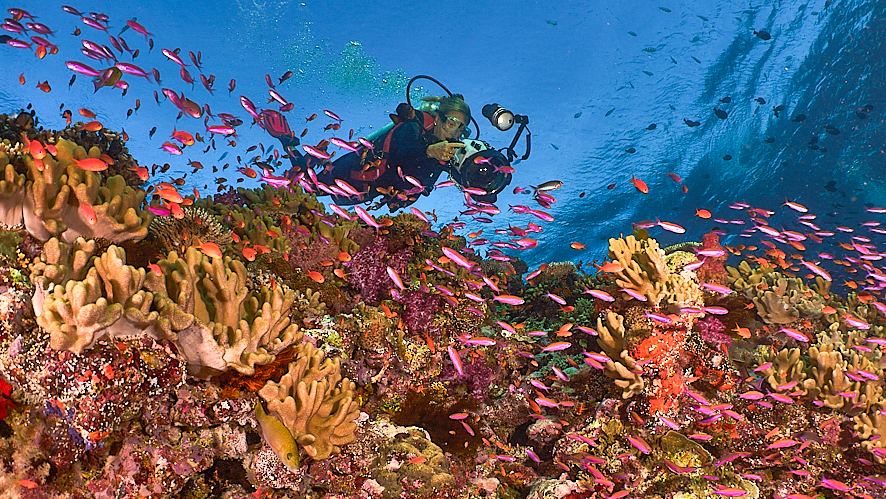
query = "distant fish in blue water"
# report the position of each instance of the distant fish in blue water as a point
(651, 126)
(691, 123)
(720, 113)
(763, 35)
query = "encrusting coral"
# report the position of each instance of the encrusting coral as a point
(314, 402)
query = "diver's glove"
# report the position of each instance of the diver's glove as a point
(405, 112)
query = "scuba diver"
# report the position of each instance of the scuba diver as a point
(402, 161)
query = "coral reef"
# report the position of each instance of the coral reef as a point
(643, 267)
(53, 197)
(307, 354)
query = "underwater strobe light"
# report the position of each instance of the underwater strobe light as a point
(503, 120)
(500, 117)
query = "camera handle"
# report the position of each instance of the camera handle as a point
(523, 121)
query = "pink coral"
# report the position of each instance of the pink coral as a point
(713, 271)
(711, 329)
(420, 310)
(367, 270)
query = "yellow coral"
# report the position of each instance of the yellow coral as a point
(621, 367)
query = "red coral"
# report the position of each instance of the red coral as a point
(5, 401)
(713, 271)
(661, 353)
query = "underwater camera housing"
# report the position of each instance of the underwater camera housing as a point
(479, 166)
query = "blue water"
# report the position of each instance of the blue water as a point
(591, 76)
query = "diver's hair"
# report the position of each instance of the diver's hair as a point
(455, 102)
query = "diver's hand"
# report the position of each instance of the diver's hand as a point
(443, 150)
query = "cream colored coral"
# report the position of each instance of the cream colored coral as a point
(871, 427)
(621, 367)
(217, 321)
(786, 372)
(314, 402)
(644, 268)
(109, 300)
(12, 194)
(75, 313)
(56, 189)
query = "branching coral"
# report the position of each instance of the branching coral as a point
(644, 269)
(314, 403)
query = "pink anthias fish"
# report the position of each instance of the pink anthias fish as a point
(366, 217)
(274, 180)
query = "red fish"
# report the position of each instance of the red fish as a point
(91, 165)
(639, 184)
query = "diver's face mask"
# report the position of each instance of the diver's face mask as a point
(455, 128)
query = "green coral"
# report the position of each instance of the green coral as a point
(779, 299)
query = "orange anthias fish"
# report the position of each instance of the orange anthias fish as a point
(92, 165)
(210, 249)
(92, 126)
(88, 213)
(184, 137)
(640, 185)
(701, 213)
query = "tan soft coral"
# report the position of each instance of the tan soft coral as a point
(644, 269)
(621, 367)
(314, 402)
(202, 304)
(217, 320)
(108, 300)
(56, 190)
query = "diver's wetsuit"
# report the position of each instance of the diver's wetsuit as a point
(407, 150)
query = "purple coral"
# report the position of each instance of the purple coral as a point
(230, 198)
(420, 310)
(367, 270)
(712, 330)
